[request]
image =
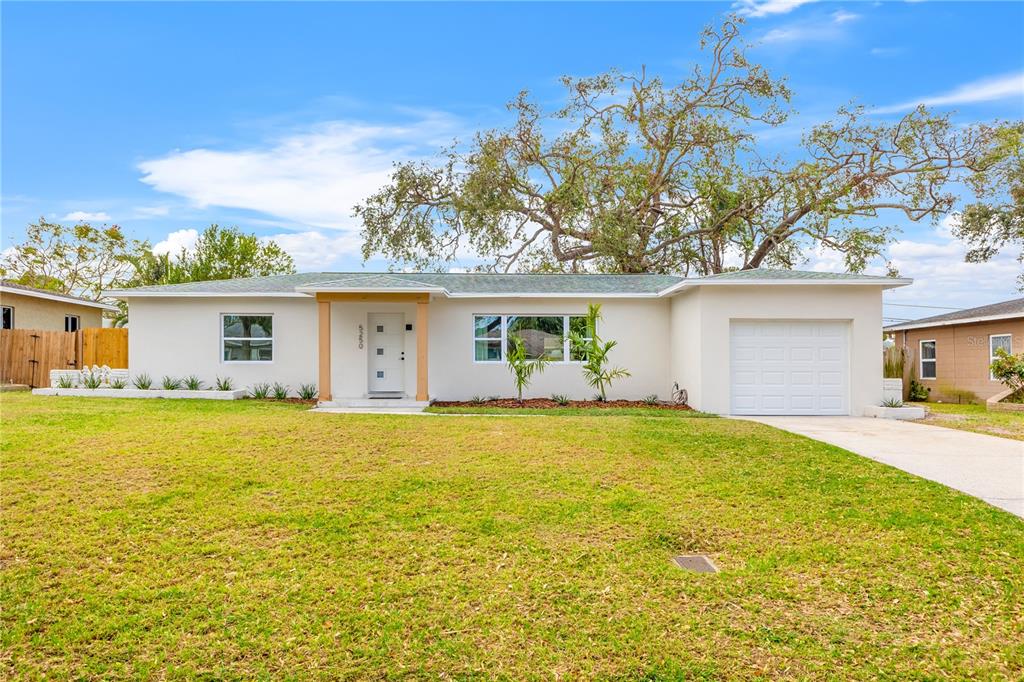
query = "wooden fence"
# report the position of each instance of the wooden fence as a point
(28, 355)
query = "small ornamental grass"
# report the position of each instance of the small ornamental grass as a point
(892, 402)
(65, 381)
(118, 383)
(193, 383)
(143, 382)
(91, 380)
(280, 391)
(170, 383)
(224, 384)
(560, 398)
(260, 391)
(651, 399)
(307, 391)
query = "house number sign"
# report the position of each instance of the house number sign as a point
(360, 337)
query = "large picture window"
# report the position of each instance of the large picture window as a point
(247, 338)
(928, 360)
(542, 335)
(995, 342)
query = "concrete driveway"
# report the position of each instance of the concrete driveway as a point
(987, 467)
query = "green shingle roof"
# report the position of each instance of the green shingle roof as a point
(471, 283)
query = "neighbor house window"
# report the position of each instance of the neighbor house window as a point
(247, 338)
(995, 342)
(8, 317)
(928, 364)
(72, 323)
(542, 335)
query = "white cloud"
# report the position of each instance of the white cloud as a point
(830, 30)
(74, 216)
(764, 8)
(152, 211)
(842, 16)
(176, 241)
(313, 177)
(316, 251)
(984, 90)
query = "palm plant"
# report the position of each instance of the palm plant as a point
(521, 365)
(594, 353)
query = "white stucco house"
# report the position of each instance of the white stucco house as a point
(749, 342)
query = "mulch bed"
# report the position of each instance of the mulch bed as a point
(547, 403)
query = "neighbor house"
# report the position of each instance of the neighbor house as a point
(750, 342)
(951, 353)
(30, 308)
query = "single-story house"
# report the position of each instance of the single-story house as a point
(952, 352)
(749, 342)
(27, 307)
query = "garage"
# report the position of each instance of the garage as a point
(789, 367)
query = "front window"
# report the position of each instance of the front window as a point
(995, 342)
(928, 361)
(71, 323)
(247, 338)
(8, 317)
(542, 335)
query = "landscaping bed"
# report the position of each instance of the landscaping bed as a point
(548, 403)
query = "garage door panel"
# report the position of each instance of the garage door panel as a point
(789, 367)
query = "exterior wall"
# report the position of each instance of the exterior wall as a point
(685, 356)
(40, 313)
(182, 336)
(641, 327)
(962, 356)
(861, 306)
(349, 363)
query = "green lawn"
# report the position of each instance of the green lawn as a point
(975, 418)
(183, 539)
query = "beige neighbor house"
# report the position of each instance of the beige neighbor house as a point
(751, 342)
(952, 352)
(30, 308)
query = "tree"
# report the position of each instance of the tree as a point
(82, 260)
(996, 220)
(635, 175)
(521, 365)
(219, 253)
(1009, 369)
(594, 353)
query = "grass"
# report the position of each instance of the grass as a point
(239, 540)
(975, 418)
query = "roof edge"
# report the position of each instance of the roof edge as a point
(907, 326)
(54, 296)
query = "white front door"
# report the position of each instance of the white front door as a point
(387, 353)
(789, 367)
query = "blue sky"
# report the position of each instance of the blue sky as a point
(277, 118)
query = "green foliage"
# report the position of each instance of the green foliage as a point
(142, 382)
(193, 383)
(651, 399)
(477, 400)
(636, 174)
(118, 383)
(1009, 370)
(65, 381)
(560, 398)
(260, 391)
(892, 402)
(280, 391)
(170, 383)
(594, 352)
(224, 383)
(307, 391)
(92, 380)
(521, 365)
(917, 392)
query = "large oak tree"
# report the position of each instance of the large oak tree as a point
(637, 175)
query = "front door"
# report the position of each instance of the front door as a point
(387, 353)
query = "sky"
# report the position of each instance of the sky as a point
(279, 118)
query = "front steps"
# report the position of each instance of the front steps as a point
(373, 405)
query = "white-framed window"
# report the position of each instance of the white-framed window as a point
(72, 323)
(247, 337)
(929, 365)
(546, 335)
(8, 319)
(995, 342)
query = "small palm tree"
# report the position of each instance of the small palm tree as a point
(594, 352)
(521, 365)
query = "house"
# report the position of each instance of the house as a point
(30, 308)
(952, 352)
(749, 342)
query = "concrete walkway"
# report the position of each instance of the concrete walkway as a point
(987, 467)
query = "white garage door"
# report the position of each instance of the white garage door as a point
(789, 367)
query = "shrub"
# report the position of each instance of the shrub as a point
(892, 402)
(65, 381)
(918, 392)
(594, 351)
(142, 382)
(280, 391)
(651, 399)
(561, 399)
(92, 380)
(523, 367)
(224, 383)
(307, 391)
(170, 383)
(259, 391)
(193, 383)
(477, 400)
(118, 383)
(1009, 369)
